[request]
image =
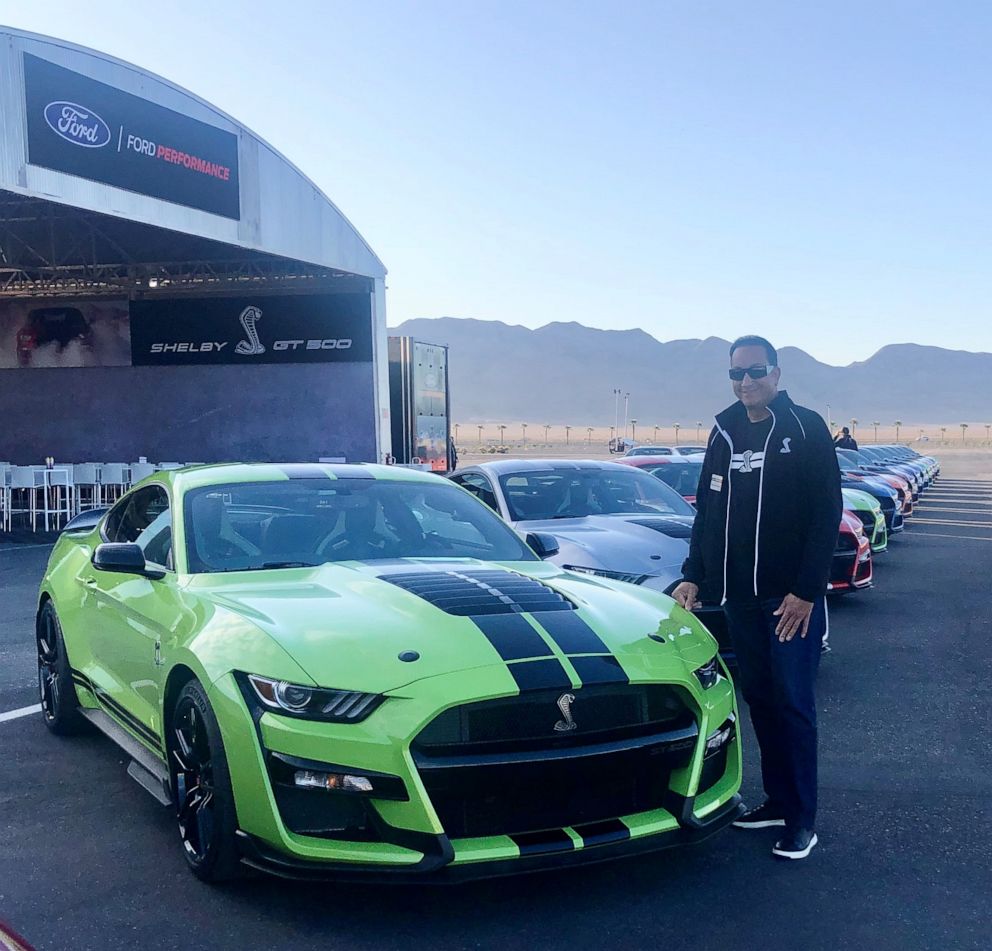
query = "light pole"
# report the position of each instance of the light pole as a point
(656, 434)
(613, 432)
(479, 427)
(626, 406)
(616, 408)
(830, 422)
(633, 430)
(678, 426)
(898, 424)
(568, 429)
(523, 429)
(547, 426)
(501, 429)
(988, 438)
(943, 433)
(854, 423)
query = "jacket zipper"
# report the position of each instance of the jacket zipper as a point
(757, 521)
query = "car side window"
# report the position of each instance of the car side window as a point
(479, 486)
(144, 517)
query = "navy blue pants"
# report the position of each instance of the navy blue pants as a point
(778, 682)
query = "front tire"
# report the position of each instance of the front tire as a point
(201, 788)
(56, 691)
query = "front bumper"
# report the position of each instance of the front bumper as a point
(404, 837)
(437, 867)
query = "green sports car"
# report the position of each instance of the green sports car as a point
(866, 508)
(360, 671)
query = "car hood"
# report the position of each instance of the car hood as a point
(346, 625)
(632, 544)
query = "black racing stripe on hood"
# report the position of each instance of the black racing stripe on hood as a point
(540, 675)
(512, 636)
(599, 670)
(570, 632)
(301, 470)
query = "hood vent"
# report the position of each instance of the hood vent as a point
(673, 528)
(480, 591)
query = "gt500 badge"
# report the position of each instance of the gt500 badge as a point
(716, 483)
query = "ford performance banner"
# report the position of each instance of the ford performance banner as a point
(87, 128)
(326, 328)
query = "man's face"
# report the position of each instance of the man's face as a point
(754, 394)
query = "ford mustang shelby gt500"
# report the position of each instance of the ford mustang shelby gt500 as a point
(361, 671)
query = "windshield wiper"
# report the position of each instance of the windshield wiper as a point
(287, 564)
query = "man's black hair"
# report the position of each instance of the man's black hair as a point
(846, 431)
(752, 340)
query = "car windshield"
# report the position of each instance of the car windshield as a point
(650, 451)
(683, 477)
(845, 464)
(690, 450)
(256, 525)
(573, 493)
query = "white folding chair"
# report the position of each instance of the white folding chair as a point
(4, 494)
(86, 479)
(23, 489)
(163, 466)
(141, 470)
(58, 497)
(114, 481)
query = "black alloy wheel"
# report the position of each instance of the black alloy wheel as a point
(201, 788)
(56, 691)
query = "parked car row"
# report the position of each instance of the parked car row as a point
(631, 520)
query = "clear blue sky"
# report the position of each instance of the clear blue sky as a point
(819, 173)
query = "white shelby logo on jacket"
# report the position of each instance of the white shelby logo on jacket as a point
(747, 461)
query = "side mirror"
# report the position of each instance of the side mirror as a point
(543, 545)
(126, 558)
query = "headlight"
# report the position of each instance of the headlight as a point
(709, 674)
(722, 736)
(312, 703)
(603, 573)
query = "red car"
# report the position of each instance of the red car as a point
(852, 566)
(680, 472)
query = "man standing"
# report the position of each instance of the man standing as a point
(769, 506)
(845, 440)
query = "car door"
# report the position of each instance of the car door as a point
(136, 615)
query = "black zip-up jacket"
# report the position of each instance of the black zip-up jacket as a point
(799, 505)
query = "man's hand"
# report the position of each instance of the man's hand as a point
(794, 614)
(687, 594)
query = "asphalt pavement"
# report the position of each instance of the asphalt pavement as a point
(89, 861)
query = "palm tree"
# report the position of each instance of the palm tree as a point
(633, 430)
(988, 438)
(501, 429)
(943, 433)
(568, 429)
(523, 429)
(479, 427)
(875, 424)
(898, 424)
(963, 426)
(588, 435)
(547, 426)
(699, 426)
(656, 434)
(854, 423)
(678, 426)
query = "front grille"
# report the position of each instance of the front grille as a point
(867, 519)
(500, 767)
(846, 543)
(474, 591)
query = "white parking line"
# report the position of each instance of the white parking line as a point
(23, 712)
(973, 538)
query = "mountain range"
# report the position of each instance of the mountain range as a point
(565, 372)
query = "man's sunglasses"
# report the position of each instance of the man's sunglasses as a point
(756, 373)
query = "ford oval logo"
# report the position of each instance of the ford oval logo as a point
(77, 124)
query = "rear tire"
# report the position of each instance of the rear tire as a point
(201, 788)
(56, 691)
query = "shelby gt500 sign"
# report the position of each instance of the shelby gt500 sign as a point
(329, 328)
(87, 128)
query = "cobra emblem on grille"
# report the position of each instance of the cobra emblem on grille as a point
(567, 724)
(252, 346)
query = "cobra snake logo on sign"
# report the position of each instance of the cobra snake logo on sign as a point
(252, 346)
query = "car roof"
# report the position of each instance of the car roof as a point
(504, 466)
(663, 460)
(225, 473)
